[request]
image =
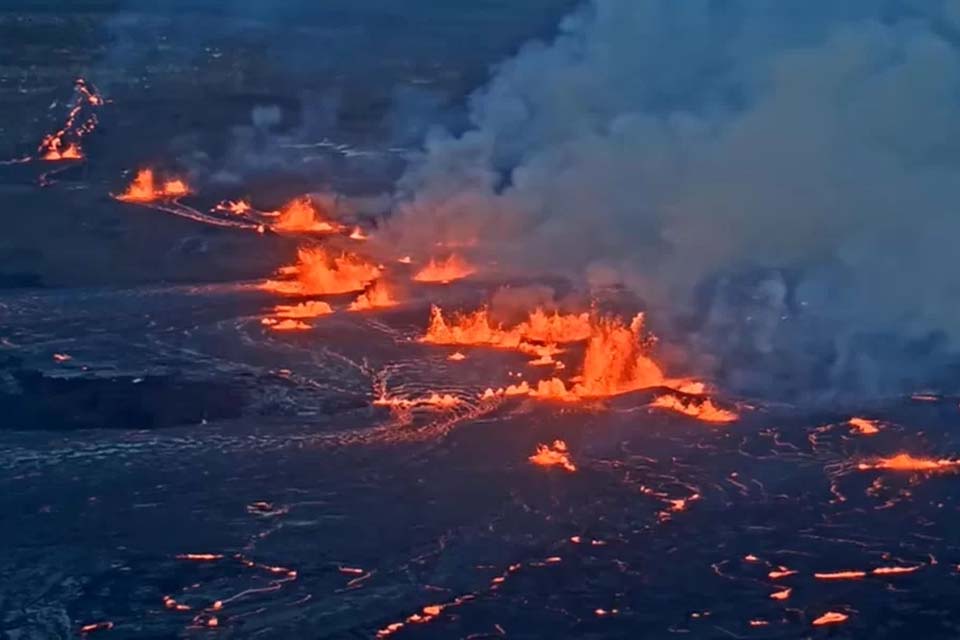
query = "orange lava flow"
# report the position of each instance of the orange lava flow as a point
(893, 571)
(56, 146)
(238, 207)
(906, 462)
(145, 188)
(277, 324)
(301, 215)
(200, 557)
(783, 594)
(319, 273)
(478, 328)
(780, 572)
(841, 575)
(53, 152)
(303, 311)
(444, 271)
(377, 296)
(96, 626)
(469, 329)
(555, 455)
(615, 362)
(830, 617)
(704, 410)
(864, 426)
(556, 327)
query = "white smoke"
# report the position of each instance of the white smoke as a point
(661, 143)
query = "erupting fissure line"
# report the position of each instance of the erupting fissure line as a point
(145, 189)
(64, 144)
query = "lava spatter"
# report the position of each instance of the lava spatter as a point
(445, 270)
(145, 188)
(319, 272)
(553, 455)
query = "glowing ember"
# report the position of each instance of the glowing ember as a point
(863, 426)
(145, 188)
(555, 455)
(443, 271)
(377, 296)
(704, 410)
(62, 357)
(906, 462)
(784, 594)
(830, 617)
(319, 273)
(301, 216)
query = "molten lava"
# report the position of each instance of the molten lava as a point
(303, 311)
(64, 144)
(555, 455)
(703, 410)
(469, 329)
(377, 296)
(300, 216)
(444, 271)
(556, 327)
(478, 328)
(239, 207)
(864, 426)
(145, 188)
(616, 362)
(830, 617)
(906, 462)
(841, 575)
(317, 272)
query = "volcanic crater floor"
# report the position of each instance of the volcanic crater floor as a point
(268, 496)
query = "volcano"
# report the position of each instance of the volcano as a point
(282, 354)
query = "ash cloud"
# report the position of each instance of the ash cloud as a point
(779, 179)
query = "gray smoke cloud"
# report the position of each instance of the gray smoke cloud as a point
(802, 157)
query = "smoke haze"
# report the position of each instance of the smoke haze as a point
(802, 157)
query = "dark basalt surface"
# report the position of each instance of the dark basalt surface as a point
(180, 425)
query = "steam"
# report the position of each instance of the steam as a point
(801, 157)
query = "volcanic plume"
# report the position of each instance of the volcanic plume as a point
(761, 155)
